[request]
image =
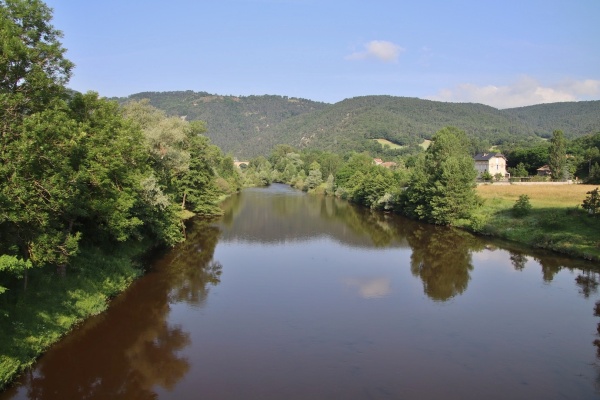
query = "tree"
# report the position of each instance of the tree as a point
(32, 74)
(315, 178)
(532, 158)
(557, 155)
(33, 69)
(442, 187)
(197, 184)
(594, 176)
(592, 202)
(519, 171)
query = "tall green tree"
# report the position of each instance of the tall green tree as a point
(315, 177)
(196, 186)
(33, 72)
(557, 155)
(442, 187)
(33, 69)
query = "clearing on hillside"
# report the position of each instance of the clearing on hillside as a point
(425, 144)
(385, 142)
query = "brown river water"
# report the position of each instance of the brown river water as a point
(292, 296)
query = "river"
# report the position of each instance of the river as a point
(293, 296)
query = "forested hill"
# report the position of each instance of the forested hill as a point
(247, 126)
(573, 118)
(351, 123)
(231, 121)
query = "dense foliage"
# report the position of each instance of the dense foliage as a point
(232, 121)
(442, 186)
(573, 118)
(76, 170)
(438, 186)
(86, 187)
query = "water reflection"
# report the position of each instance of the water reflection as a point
(442, 260)
(192, 270)
(131, 349)
(518, 260)
(288, 215)
(370, 288)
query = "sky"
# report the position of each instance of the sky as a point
(500, 53)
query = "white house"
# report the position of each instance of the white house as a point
(494, 163)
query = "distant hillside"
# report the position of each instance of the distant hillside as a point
(247, 126)
(574, 118)
(231, 121)
(349, 124)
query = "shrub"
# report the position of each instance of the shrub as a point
(522, 206)
(486, 176)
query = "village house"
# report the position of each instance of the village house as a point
(494, 163)
(544, 171)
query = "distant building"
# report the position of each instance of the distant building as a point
(544, 170)
(494, 163)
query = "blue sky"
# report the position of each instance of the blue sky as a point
(504, 54)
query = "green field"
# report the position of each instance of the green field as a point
(556, 220)
(385, 142)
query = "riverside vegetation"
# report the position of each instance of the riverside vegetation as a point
(86, 188)
(89, 185)
(438, 186)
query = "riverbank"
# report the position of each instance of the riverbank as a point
(555, 222)
(34, 317)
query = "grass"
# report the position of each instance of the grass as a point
(559, 196)
(556, 220)
(35, 317)
(425, 144)
(385, 142)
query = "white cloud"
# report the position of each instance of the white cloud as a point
(524, 92)
(379, 49)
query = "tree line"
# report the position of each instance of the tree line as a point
(436, 185)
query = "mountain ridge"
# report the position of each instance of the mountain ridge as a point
(247, 126)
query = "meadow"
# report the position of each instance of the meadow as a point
(556, 220)
(391, 145)
(540, 195)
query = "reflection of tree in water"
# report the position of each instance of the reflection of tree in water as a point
(518, 260)
(550, 267)
(280, 214)
(597, 342)
(231, 208)
(122, 357)
(192, 269)
(361, 221)
(126, 352)
(442, 259)
(587, 282)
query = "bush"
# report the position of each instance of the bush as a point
(522, 206)
(592, 202)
